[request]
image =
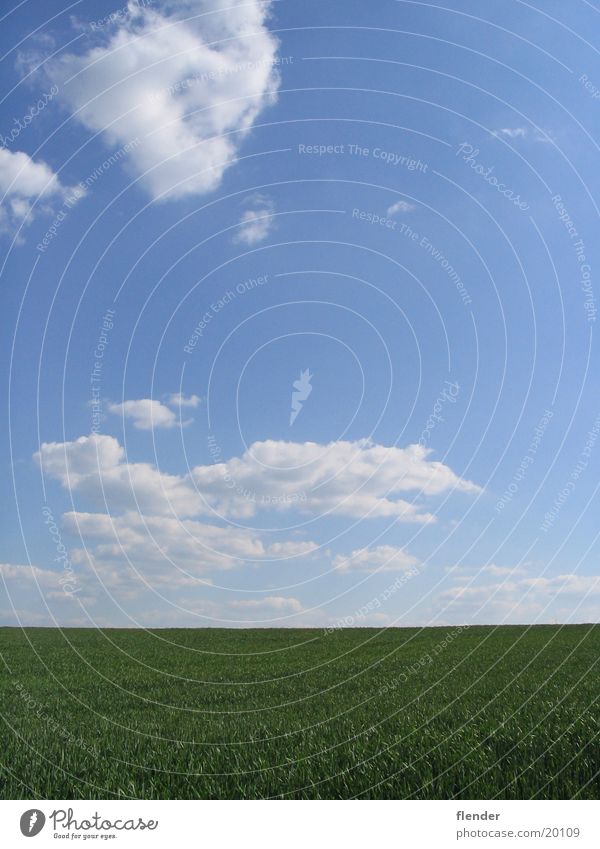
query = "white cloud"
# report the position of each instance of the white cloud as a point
(492, 569)
(96, 467)
(541, 136)
(382, 558)
(518, 583)
(256, 222)
(149, 533)
(177, 399)
(22, 182)
(145, 414)
(277, 604)
(186, 78)
(271, 611)
(133, 556)
(512, 132)
(357, 479)
(108, 585)
(161, 542)
(523, 599)
(565, 584)
(27, 618)
(400, 206)
(460, 573)
(29, 573)
(38, 586)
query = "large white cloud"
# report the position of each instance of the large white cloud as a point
(187, 79)
(356, 479)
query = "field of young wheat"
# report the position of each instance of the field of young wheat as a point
(478, 712)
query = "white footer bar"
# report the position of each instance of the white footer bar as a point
(298, 825)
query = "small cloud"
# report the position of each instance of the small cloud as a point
(28, 572)
(400, 206)
(177, 399)
(146, 413)
(541, 136)
(22, 183)
(512, 132)
(502, 571)
(256, 222)
(276, 604)
(382, 558)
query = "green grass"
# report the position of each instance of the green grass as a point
(507, 712)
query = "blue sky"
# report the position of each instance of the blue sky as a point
(299, 309)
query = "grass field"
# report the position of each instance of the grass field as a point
(481, 712)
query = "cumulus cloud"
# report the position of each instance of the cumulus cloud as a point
(170, 551)
(153, 527)
(256, 221)
(187, 79)
(381, 558)
(22, 182)
(145, 414)
(95, 466)
(177, 400)
(357, 479)
(400, 206)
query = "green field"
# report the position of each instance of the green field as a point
(508, 712)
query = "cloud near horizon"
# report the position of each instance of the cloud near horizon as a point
(152, 532)
(520, 597)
